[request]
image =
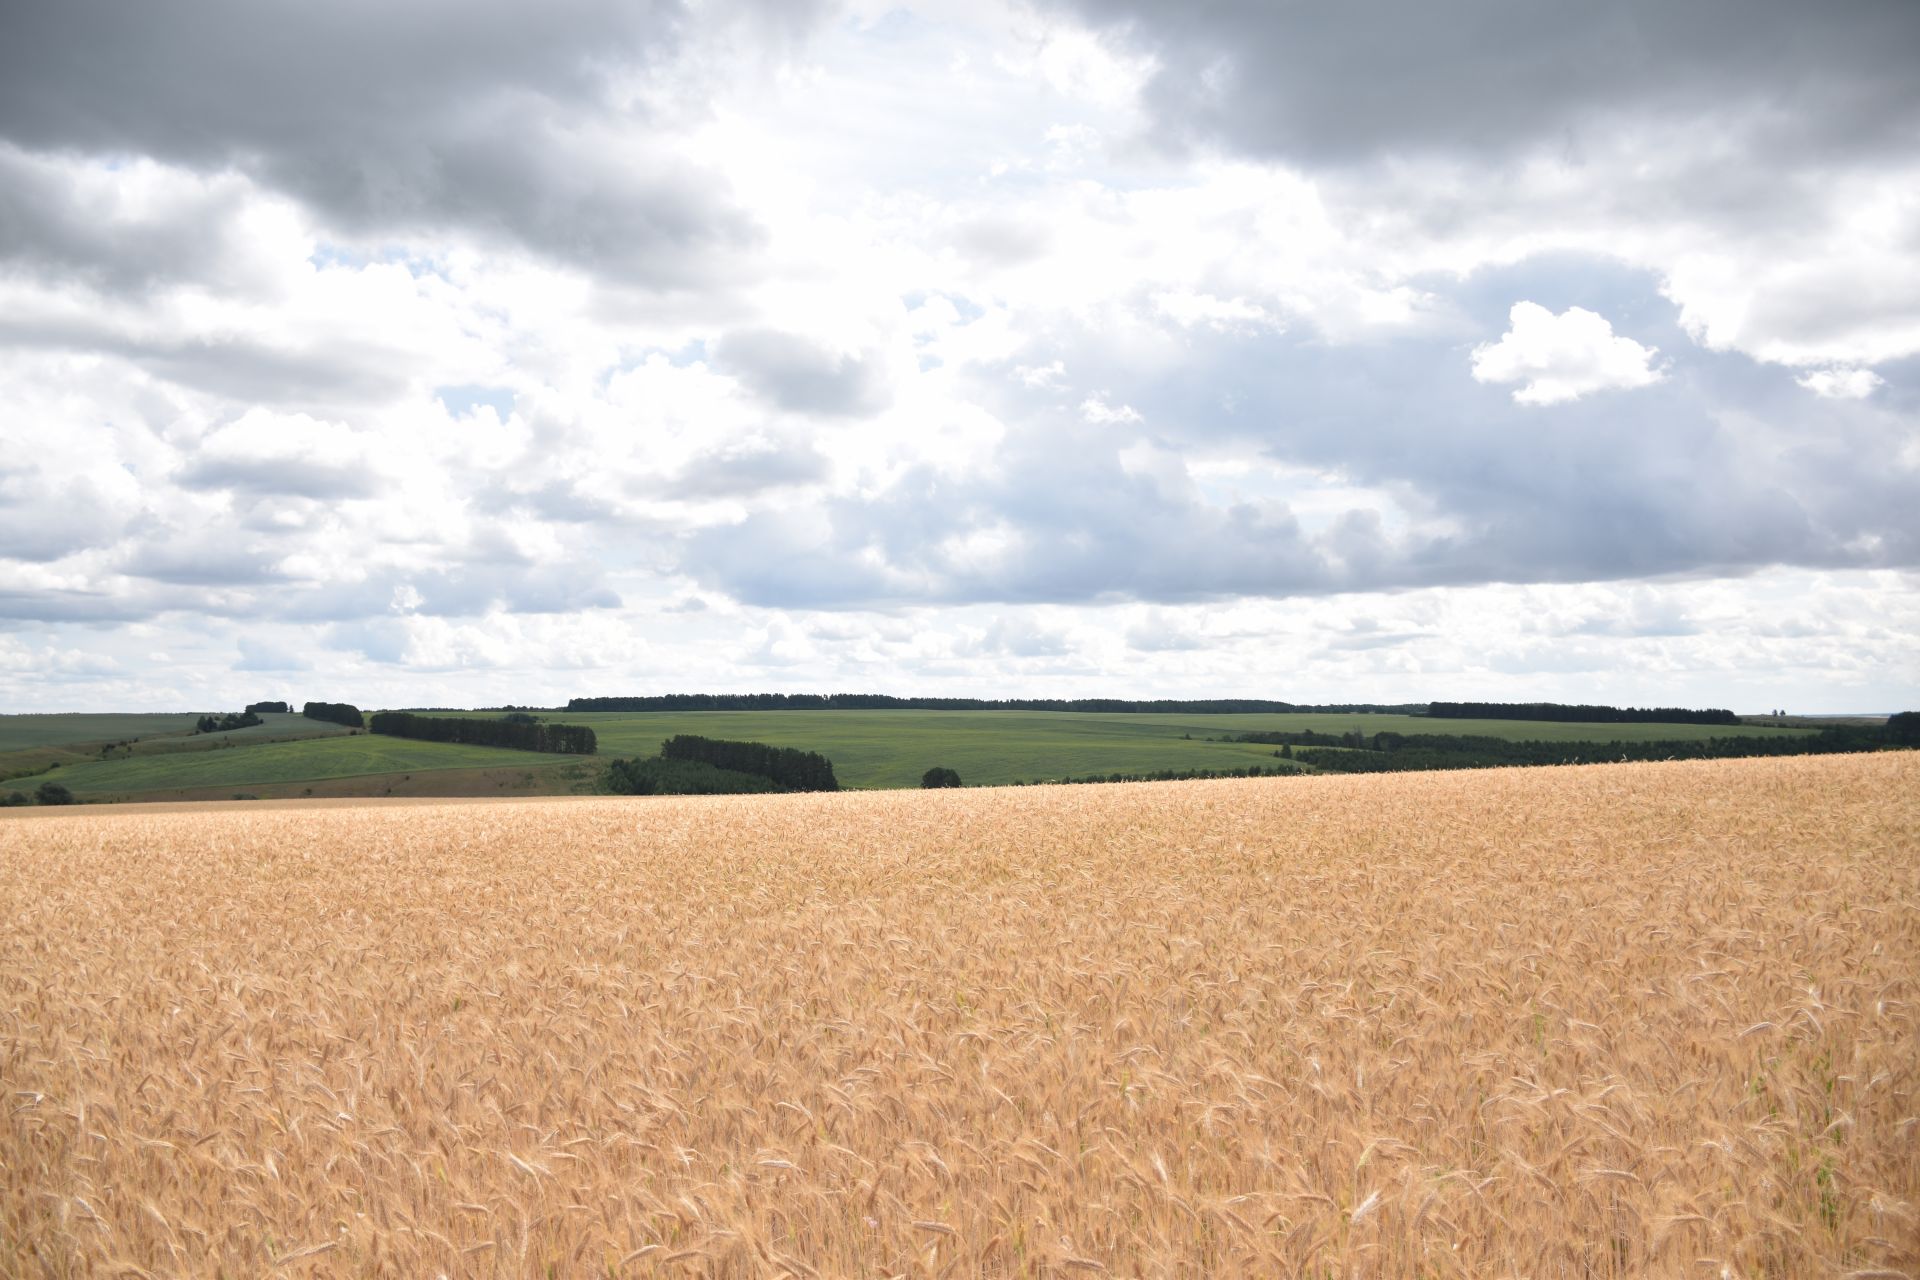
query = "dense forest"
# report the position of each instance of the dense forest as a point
(886, 702)
(335, 713)
(268, 708)
(786, 767)
(1576, 713)
(562, 739)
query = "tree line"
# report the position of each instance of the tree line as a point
(561, 739)
(269, 708)
(789, 768)
(335, 713)
(887, 702)
(1401, 753)
(1580, 712)
(1168, 775)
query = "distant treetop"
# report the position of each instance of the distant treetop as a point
(1581, 713)
(887, 702)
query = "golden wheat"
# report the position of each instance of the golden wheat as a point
(1622, 1020)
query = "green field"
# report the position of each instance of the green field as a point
(32, 746)
(273, 728)
(307, 760)
(19, 733)
(893, 748)
(868, 748)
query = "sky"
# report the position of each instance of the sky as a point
(472, 353)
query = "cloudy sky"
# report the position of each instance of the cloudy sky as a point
(474, 352)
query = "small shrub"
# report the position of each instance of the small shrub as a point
(52, 793)
(939, 777)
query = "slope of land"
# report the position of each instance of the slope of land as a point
(35, 745)
(868, 748)
(893, 748)
(34, 730)
(281, 764)
(1604, 1021)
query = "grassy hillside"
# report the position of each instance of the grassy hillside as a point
(893, 748)
(273, 728)
(22, 732)
(868, 748)
(32, 747)
(242, 768)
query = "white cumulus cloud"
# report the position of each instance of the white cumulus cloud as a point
(1095, 409)
(1842, 384)
(1562, 357)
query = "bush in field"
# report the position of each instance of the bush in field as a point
(52, 793)
(13, 800)
(939, 777)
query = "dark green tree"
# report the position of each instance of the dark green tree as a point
(52, 793)
(940, 777)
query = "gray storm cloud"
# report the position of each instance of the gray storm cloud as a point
(1355, 81)
(496, 118)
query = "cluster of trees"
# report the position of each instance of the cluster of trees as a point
(561, 739)
(231, 720)
(1168, 775)
(939, 777)
(268, 708)
(657, 776)
(45, 793)
(1577, 712)
(335, 713)
(787, 767)
(1398, 753)
(886, 702)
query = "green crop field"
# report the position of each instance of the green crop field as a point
(18, 733)
(310, 759)
(274, 727)
(893, 748)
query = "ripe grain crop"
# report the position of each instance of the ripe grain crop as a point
(1606, 1021)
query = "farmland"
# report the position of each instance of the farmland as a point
(333, 756)
(1653, 1019)
(893, 748)
(868, 748)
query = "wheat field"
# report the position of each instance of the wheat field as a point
(1607, 1021)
